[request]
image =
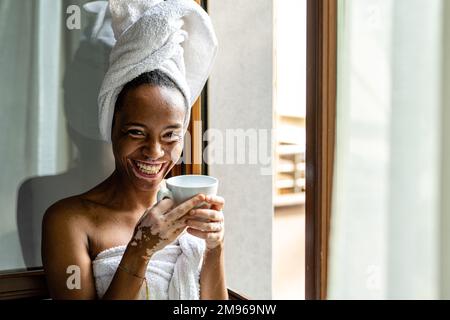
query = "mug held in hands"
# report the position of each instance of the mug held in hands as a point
(182, 188)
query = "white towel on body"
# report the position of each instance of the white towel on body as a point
(173, 273)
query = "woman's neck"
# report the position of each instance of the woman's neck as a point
(120, 193)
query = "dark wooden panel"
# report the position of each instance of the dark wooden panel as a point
(320, 140)
(233, 295)
(23, 285)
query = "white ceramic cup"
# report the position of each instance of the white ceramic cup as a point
(182, 188)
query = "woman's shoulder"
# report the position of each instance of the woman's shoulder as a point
(70, 211)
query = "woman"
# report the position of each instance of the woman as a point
(115, 241)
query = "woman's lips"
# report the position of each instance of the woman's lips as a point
(145, 170)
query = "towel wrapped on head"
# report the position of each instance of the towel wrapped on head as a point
(173, 36)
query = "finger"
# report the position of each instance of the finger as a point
(207, 214)
(204, 206)
(177, 224)
(172, 234)
(216, 202)
(157, 210)
(212, 236)
(185, 207)
(204, 226)
(179, 231)
(162, 206)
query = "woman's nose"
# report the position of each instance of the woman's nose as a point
(153, 150)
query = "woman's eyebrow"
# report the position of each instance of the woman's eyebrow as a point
(129, 124)
(137, 124)
(174, 126)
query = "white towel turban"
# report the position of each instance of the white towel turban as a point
(174, 36)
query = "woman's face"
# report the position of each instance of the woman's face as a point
(147, 134)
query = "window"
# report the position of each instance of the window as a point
(51, 75)
(290, 121)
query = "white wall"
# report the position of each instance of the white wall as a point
(290, 67)
(240, 96)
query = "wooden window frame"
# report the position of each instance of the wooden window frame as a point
(320, 140)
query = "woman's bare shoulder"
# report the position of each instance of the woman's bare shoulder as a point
(69, 211)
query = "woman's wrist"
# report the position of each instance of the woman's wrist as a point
(219, 247)
(135, 259)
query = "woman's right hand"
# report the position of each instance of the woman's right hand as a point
(162, 224)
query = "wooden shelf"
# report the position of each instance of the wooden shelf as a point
(287, 183)
(286, 166)
(289, 199)
(290, 151)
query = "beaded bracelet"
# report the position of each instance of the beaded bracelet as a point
(147, 293)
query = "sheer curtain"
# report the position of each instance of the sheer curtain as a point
(390, 217)
(42, 159)
(29, 69)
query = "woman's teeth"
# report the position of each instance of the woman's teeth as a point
(149, 169)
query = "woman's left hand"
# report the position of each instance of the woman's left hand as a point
(208, 224)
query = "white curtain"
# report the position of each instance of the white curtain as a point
(390, 217)
(29, 75)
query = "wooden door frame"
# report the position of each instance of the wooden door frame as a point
(320, 140)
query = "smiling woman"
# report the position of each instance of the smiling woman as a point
(122, 242)
(147, 142)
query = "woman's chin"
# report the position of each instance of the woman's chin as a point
(144, 183)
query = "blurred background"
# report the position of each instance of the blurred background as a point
(289, 163)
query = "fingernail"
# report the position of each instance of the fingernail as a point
(192, 212)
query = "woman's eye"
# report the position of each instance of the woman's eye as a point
(172, 136)
(134, 132)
